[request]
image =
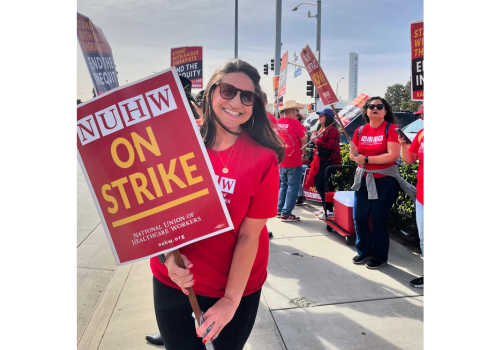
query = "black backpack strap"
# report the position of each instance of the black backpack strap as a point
(359, 131)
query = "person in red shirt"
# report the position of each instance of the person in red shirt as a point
(327, 153)
(271, 117)
(294, 135)
(375, 147)
(410, 154)
(226, 271)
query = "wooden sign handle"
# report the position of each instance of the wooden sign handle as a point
(192, 297)
(341, 124)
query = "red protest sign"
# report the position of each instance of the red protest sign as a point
(417, 60)
(189, 63)
(276, 82)
(310, 192)
(283, 70)
(148, 170)
(318, 78)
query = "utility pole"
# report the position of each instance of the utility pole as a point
(235, 29)
(318, 43)
(277, 47)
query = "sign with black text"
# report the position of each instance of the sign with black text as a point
(97, 54)
(189, 63)
(417, 60)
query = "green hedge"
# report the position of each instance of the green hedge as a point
(403, 211)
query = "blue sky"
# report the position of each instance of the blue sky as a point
(141, 34)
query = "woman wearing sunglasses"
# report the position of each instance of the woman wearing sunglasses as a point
(376, 150)
(226, 271)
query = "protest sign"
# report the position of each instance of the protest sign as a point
(417, 60)
(310, 192)
(353, 110)
(189, 63)
(283, 70)
(147, 169)
(276, 82)
(318, 78)
(97, 54)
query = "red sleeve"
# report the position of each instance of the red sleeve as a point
(392, 134)
(415, 145)
(265, 201)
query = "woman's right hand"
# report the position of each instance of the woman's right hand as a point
(402, 141)
(182, 277)
(354, 150)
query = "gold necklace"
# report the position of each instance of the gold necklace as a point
(225, 170)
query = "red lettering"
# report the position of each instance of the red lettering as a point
(161, 98)
(227, 185)
(104, 121)
(129, 112)
(89, 131)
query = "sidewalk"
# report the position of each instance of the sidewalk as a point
(350, 306)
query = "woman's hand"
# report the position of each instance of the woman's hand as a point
(314, 139)
(182, 277)
(402, 141)
(360, 159)
(353, 150)
(219, 315)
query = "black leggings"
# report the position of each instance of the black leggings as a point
(177, 326)
(319, 181)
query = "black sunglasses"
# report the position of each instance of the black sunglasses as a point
(228, 92)
(380, 107)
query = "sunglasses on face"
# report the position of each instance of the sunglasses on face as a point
(228, 92)
(379, 106)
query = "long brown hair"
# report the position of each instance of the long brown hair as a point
(258, 126)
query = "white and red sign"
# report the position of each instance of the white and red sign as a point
(318, 78)
(148, 170)
(189, 63)
(353, 110)
(283, 70)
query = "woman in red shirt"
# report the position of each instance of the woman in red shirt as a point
(375, 148)
(226, 271)
(329, 143)
(410, 154)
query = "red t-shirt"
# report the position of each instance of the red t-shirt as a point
(373, 142)
(250, 189)
(418, 147)
(295, 131)
(272, 118)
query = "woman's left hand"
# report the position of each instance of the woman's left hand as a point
(219, 315)
(314, 139)
(360, 159)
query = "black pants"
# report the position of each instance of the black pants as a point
(177, 325)
(319, 182)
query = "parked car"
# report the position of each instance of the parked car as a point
(402, 119)
(412, 129)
